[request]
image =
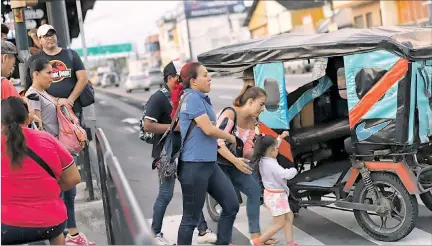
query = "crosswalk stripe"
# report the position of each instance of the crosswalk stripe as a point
(266, 220)
(312, 226)
(416, 237)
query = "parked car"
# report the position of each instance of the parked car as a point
(109, 79)
(138, 81)
(144, 80)
(156, 77)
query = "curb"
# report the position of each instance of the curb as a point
(89, 215)
(129, 100)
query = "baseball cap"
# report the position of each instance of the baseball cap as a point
(44, 29)
(8, 47)
(171, 68)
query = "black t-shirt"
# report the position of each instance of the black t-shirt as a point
(64, 77)
(158, 109)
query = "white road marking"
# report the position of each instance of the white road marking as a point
(136, 128)
(131, 121)
(129, 129)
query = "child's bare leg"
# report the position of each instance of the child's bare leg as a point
(288, 227)
(279, 223)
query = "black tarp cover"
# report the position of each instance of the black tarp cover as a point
(413, 43)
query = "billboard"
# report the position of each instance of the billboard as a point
(196, 9)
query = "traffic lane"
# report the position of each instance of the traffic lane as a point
(133, 154)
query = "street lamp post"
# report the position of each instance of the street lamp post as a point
(18, 8)
(57, 17)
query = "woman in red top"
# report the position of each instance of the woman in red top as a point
(31, 207)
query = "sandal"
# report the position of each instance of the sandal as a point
(271, 241)
(292, 243)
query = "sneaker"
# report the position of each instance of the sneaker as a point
(79, 239)
(208, 238)
(160, 240)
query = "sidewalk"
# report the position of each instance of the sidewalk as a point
(90, 214)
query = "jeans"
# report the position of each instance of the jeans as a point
(196, 179)
(166, 190)
(69, 200)
(23, 235)
(248, 185)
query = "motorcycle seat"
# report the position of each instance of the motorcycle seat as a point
(320, 133)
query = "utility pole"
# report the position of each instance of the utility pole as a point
(81, 26)
(57, 17)
(21, 39)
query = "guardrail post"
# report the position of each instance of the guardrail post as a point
(88, 174)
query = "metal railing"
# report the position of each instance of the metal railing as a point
(124, 220)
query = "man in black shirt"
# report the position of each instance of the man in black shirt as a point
(69, 74)
(157, 120)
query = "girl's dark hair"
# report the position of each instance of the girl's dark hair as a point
(36, 65)
(262, 144)
(14, 113)
(248, 92)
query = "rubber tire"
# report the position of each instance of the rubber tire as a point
(213, 215)
(411, 207)
(427, 199)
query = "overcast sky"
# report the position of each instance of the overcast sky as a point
(115, 22)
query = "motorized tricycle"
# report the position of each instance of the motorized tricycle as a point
(360, 132)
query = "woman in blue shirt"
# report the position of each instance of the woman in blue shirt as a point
(198, 172)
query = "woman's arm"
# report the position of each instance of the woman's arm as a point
(70, 177)
(203, 121)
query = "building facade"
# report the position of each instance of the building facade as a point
(153, 51)
(386, 13)
(273, 17)
(199, 26)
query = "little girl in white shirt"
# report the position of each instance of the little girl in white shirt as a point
(274, 178)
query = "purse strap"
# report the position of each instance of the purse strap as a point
(41, 162)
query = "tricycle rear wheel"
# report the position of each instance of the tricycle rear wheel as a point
(427, 199)
(405, 203)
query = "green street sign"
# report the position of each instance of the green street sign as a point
(106, 49)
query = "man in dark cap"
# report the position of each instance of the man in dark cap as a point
(9, 56)
(155, 122)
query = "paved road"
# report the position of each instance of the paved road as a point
(314, 226)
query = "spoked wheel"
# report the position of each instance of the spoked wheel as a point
(427, 199)
(213, 208)
(401, 212)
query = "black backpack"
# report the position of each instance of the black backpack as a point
(149, 136)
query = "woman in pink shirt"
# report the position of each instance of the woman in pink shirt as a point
(35, 167)
(241, 121)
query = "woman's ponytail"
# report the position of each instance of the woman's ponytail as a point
(15, 144)
(14, 114)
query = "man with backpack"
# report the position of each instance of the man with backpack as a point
(155, 122)
(69, 80)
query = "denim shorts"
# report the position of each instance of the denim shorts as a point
(24, 235)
